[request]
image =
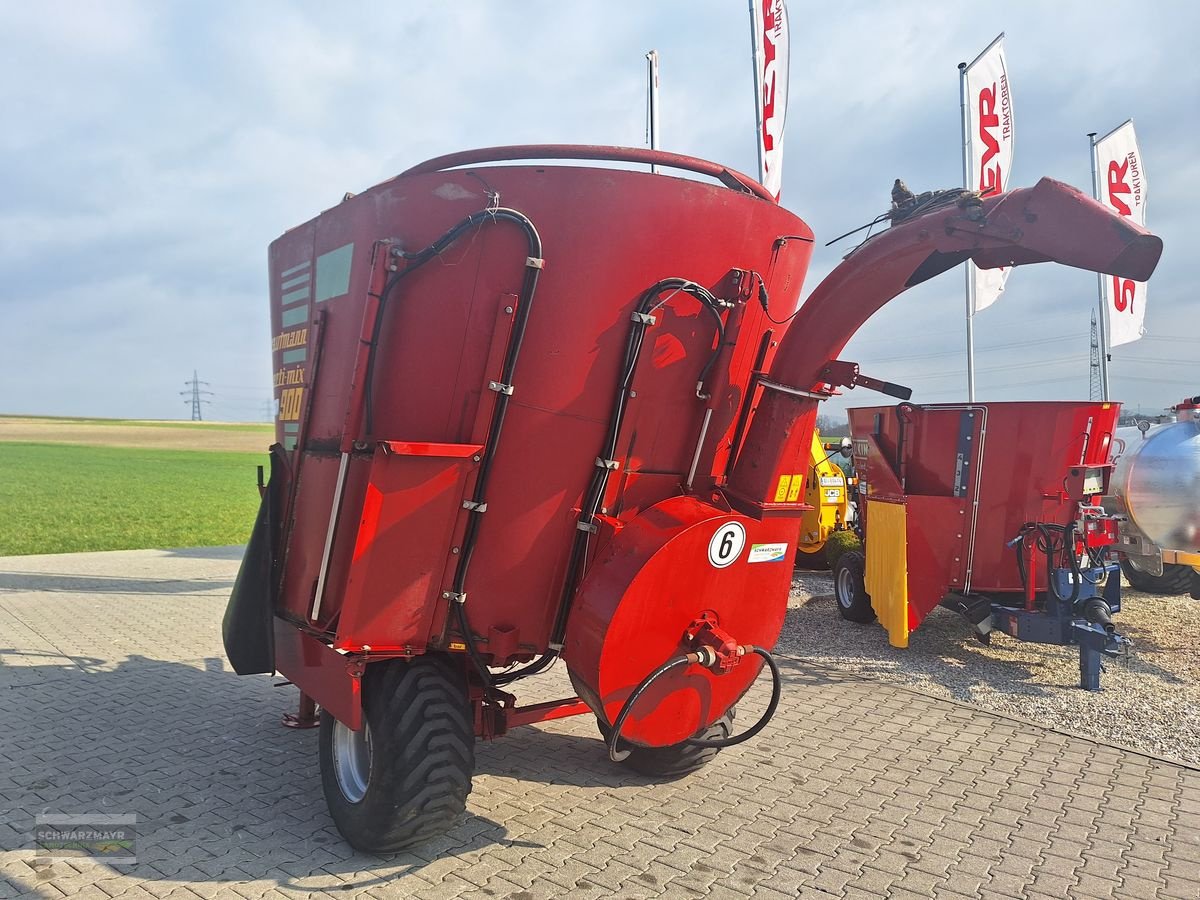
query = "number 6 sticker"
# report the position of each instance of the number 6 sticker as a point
(726, 545)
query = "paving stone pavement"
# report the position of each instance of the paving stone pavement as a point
(115, 698)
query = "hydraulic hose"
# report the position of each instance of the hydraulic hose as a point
(1068, 550)
(614, 736)
(648, 304)
(768, 714)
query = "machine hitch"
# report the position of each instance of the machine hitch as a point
(1085, 621)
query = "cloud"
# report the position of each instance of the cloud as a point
(152, 151)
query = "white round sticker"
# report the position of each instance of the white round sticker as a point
(726, 545)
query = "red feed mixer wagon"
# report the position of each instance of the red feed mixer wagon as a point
(992, 510)
(531, 412)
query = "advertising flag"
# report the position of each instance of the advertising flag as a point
(989, 147)
(1122, 188)
(769, 32)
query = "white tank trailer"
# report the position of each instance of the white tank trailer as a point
(1156, 488)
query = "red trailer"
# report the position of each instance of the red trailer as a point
(990, 509)
(533, 411)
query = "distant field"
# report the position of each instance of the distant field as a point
(231, 436)
(112, 485)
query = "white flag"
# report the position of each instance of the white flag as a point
(1123, 190)
(769, 32)
(989, 147)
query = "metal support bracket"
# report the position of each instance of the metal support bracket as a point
(612, 464)
(841, 373)
(795, 392)
(534, 263)
(455, 596)
(643, 318)
(475, 506)
(590, 527)
(500, 388)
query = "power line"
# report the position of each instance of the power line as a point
(195, 395)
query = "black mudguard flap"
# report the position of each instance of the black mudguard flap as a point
(247, 628)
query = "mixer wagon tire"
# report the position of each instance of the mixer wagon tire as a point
(1173, 580)
(405, 777)
(676, 760)
(850, 590)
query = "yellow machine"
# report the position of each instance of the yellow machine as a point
(829, 496)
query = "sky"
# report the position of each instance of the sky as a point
(151, 151)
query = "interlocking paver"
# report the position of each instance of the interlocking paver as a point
(122, 702)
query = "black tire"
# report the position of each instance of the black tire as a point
(1173, 580)
(676, 760)
(812, 559)
(850, 590)
(421, 755)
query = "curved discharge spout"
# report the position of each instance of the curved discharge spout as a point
(1050, 222)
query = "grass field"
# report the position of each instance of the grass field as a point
(67, 497)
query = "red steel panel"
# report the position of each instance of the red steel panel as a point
(320, 672)
(645, 588)
(395, 575)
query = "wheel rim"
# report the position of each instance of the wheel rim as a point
(352, 760)
(843, 589)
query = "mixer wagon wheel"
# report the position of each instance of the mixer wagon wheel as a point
(850, 590)
(405, 777)
(1173, 580)
(676, 760)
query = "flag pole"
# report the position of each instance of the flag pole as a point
(758, 89)
(1102, 319)
(652, 108)
(970, 266)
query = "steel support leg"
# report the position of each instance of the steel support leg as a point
(1089, 668)
(305, 716)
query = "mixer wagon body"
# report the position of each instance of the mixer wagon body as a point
(537, 412)
(417, 446)
(959, 506)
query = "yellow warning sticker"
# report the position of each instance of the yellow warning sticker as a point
(457, 645)
(781, 490)
(797, 484)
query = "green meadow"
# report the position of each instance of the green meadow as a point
(65, 497)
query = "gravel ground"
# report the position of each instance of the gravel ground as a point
(1150, 702)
